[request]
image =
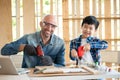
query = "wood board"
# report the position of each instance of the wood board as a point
(88, 71)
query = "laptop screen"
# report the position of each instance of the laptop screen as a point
(7, 66)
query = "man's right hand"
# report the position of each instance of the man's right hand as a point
(30, 50)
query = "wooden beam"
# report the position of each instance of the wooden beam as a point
(28, 16)
(5, 22)
(78, 14)
(94, 7)
(51, 6)
(107, 8)
(66, 28)
(115, 27)
(73, 15)
(18, 19)
(86, 8)
(99, 14)
(79, 18)
(41, 8)
(107, 12)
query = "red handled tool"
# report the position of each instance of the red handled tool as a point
(80, 52)
(40, 51)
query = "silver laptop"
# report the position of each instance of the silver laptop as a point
(8, 67)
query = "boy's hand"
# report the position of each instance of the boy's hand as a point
(74, 53)
(87, 47)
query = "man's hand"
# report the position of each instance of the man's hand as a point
(30, 50)
(46, 61)
(74, 53)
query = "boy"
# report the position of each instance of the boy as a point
(91, 45)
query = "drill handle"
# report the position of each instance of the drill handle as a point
(40, 51)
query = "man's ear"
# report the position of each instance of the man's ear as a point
(42, 24)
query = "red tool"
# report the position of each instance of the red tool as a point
(40, 51)
(80, 52)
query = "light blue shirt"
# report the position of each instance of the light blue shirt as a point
(55, 49)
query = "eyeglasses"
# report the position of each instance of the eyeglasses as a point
(48, 24)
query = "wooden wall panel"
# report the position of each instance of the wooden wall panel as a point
(18, 20)
(5, 22)
(115, 20)
(107, 8)
(94, 7)
(28, 16)
(86, 7)
(107, 11)
(77, 8)
(78, 15)
(99, 31)
(100, 20)
(51, 6)
(66, 28)
(73, 15)
(41, 7)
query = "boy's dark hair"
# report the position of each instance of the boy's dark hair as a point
(91, 20)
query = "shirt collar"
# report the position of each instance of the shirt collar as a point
(51, 39)
(88, 38)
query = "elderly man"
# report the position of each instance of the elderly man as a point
(51, 48)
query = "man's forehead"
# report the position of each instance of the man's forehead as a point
(51, 19)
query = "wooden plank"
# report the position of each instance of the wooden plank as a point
(65, 22)
(114, 8)
(86, 11)
(94, 7)
(51, 7)
(73, 8)
(101, 18)
(18, 19)
(54, 71)
(99, 7)
(107, 8)
(41, 7)
(78, 15)
(73, 15)
(73, 30)
(99, 31)
(110, 56)
(108, 30)
(78, 8)
(28, 16)
(115, 25)
(5, 22)
(115, 46)
(115, 29)
(107, 21)
(66, 28)
(78, 28)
